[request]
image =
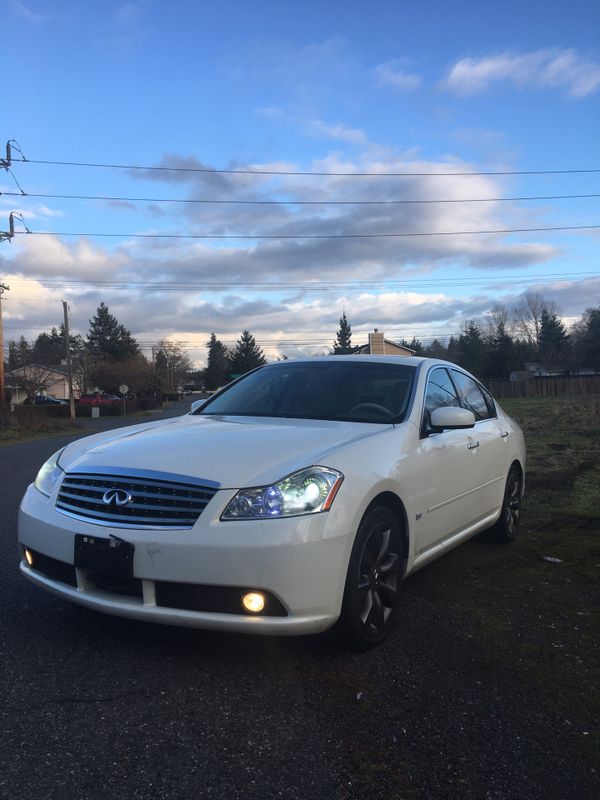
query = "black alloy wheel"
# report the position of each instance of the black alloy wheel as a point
(374, 579)
(507, 527)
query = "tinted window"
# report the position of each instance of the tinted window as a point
(472, 397)
(326, 389)
(440, 392)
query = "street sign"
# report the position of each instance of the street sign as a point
(123, 388)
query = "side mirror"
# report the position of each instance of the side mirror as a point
(198, 404)
(452, 418)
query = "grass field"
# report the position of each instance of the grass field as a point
(540, 619)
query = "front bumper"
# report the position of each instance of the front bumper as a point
(290, 559)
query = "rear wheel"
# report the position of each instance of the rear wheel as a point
(374, 577)
(507, 527)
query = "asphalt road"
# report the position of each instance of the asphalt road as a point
(98, 707)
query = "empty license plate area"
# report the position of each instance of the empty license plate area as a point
(112, 557)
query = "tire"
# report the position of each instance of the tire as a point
(373, 582)
(507, 527)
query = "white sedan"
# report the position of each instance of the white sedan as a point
(299, 495)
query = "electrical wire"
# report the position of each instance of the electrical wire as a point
(297, 202)
(320, 285)
(284, 236)
(210, 170)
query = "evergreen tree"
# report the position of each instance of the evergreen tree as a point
(246, 356)
(503, 354)
(552, 339)
(343, 343)
(19, 353)
(585, 335)
(217, 368)
(415, 345)
(107, 338)
(471, 350)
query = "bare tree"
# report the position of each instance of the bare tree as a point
(34, 378)
(527, 315)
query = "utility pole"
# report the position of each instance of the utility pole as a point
(3, 288)
(68, 354)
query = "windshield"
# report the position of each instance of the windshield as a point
(327, 389)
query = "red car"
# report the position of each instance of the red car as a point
(99, 399)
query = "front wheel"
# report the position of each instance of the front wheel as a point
(374, 577)
(507, 527)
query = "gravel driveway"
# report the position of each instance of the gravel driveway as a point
(448, 707)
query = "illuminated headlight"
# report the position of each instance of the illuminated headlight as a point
(305, 492)
(49, 475)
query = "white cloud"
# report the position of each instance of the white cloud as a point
(27, 13)
(540, 69)
(338, 131)
(390, 73)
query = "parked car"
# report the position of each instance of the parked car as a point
(48, 400)
(99, 399)
(299, 495)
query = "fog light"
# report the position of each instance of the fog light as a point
(28, 557)
(253, 602)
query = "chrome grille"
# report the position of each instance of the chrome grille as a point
(155, 502)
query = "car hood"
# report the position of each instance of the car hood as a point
(231, 451)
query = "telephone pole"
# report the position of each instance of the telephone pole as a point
(68, 355)
(3, 288)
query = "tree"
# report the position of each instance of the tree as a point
(135, 373)
(415, 345)
(35, 378)
(553, 338)
(504, 354)
(50, 348)
(171, 365)
(527, 315)
(246, 356)
(471, 349)
(343, 343)
(107, 338)
(217, 368)
(585, 335)
(19, 353)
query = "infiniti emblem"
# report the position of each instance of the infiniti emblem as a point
(116, 497)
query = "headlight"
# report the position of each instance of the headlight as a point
(49, 475)
(305, 492)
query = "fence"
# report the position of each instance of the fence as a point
(547, 386)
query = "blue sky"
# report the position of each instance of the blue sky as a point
(298, 87)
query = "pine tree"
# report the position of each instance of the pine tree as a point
(343, 343)
(246, 356)
(107, 338)
(217, 368)
(19, 353)
(471, 349)
(553, 338)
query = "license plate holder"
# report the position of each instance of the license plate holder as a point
(112, 557)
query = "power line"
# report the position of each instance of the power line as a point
(210, 170)
(297, 202)
(319, 285)
(283, 236)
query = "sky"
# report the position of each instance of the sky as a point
(308, 152)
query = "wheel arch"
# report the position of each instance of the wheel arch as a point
(516, 464)
(391, 501)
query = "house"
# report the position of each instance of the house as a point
(378, 345)
(35, 378)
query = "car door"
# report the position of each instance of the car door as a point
(447, 457)
(490, 449)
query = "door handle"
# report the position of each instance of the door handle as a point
(473, 445)
(504, 435)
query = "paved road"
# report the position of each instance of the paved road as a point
(97, 707)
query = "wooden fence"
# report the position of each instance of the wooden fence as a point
(550, 386)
